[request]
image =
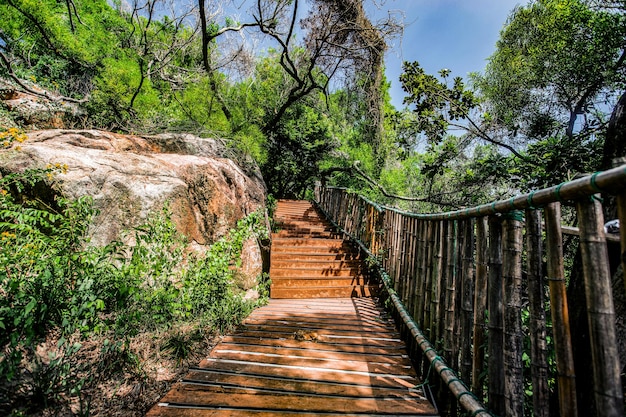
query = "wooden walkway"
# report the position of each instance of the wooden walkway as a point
(327, 357)
(306, 354)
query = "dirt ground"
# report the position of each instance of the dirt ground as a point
(121, 379)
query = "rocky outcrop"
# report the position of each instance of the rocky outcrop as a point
(131, 176)
(21, 108)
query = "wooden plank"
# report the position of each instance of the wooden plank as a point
(261, 383)
(326, 330)
(343, 291)
(336, 346)
(366, 325)
(311, 352)
(283, 358)
(334, 339)
(226, 412)
(377, 378)
(208, 398)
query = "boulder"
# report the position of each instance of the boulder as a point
(21, 108)
(131, 176)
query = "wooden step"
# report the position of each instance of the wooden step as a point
(310, 259)
(291, 261)
(313, 257)
(326, 292)
(306, 282)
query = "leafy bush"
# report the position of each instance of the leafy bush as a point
(51, 279)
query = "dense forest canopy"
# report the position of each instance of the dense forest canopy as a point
(299, 87)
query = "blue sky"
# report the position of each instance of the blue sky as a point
(456, 34)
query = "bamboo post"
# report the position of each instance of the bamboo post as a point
(413, 263)
(402, 256)
(398, 251)
(600, 310)
(406, 271)
(421, 301)
(467, 301)
(421, 268)
(426, 285)
(480, 307)
(393, 271)
(386, 241)
(437, 281)
(449, 287)
(537, 324)
(513, 336)
(458, 290)
(446, 313)
(380, 234)
(566, 377)
(496, 330)
(418, 305)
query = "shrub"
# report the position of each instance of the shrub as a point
(52, 280)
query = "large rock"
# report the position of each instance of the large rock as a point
(131, 176)
(20, 108)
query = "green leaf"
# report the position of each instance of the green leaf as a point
(29, 307)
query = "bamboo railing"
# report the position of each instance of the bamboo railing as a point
(458, 280)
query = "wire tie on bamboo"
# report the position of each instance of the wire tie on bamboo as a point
(529, 200)
(480, 410)
(466, 392)
(493, 207)
(593, 183)
(512, 203)
(517, 215)
(452, 380)
(425, 341)
(557, 192)
(445, 368)
(429, 349)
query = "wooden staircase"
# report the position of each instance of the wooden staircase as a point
(309, 259)
(330, 351)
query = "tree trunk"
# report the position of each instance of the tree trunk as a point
(614, 143)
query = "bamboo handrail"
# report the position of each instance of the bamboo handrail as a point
(449, 273)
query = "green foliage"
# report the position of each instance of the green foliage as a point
(179, 344)
(51, 279)
(436, 103)
(294, 150)
(208, 282)
(555, 60)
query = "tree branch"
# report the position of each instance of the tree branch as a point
(355, 169)
(9, 68)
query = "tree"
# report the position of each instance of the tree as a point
(557, 66)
